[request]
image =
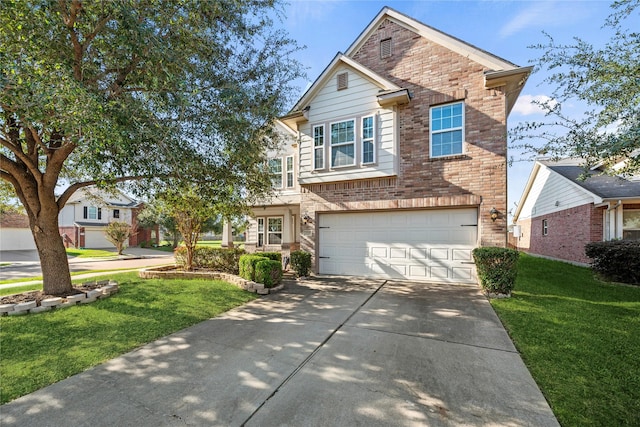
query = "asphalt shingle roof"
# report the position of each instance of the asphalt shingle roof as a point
(605, 186)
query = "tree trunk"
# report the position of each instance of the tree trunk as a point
(53, 256)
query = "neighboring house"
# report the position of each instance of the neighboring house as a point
(85, 216)
(15, 234)
(401, 157)
(563, 207)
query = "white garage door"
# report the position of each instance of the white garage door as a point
(95, 239)
(432, 245)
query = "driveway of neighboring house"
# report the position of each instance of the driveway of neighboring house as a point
(323, 352)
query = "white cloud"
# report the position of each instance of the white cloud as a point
(527, 105)
(535, 14)
(542, 15)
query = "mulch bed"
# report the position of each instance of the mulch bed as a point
(38, 296)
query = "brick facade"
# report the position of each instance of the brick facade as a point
(434, 75)
(568, 232)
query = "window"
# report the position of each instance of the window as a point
(92, 212)
(631, 224)
(260, 232)
(342, 140)
(289, 170)
(275, 169)
(368, 145)
(274, 231)
(385, 48)
(342, 81)
(447, 129)
(116, 213)
(318, 147)
(545, 227)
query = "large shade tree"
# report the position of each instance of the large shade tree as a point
(101, 92)
(607, 80)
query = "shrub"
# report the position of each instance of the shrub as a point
(225, 260)
(617, 260)
(497, 268)
(301, 262)
(268, 272)
(248, 265)
(276, 256)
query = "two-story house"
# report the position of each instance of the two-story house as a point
(402, 155)
(85, 216)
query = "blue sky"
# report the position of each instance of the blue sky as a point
(504, 28)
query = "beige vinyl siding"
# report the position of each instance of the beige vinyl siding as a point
(549, 188)
(357, 101)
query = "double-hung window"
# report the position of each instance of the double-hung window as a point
(274, 231)
(92, 212)
(275, 169)
(631, 224)
(545, 227)
(368, 145)
(342, 141)
(290, 171)
(260, 232)
(447, 129)
(318, 147)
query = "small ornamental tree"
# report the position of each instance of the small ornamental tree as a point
(118, 233)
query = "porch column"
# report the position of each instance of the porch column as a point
(227, 237)
(287, 234)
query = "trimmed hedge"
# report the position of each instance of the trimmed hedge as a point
(497, 268)
(268, 272)
(225, 260)
(617, 260)
(301, 263)
(247, 266)
(276, 256)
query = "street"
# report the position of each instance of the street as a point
(26, 264)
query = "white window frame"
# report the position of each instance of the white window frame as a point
(343, 144)
(289, 172)
(260, 232)
(442, 131)
(545, 227)
(270, 233)
(273, 174)
(92, 212)
(371, 140)
(318, 148)
(629, 229)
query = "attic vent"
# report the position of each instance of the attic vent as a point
(343, 81)
(385, 48)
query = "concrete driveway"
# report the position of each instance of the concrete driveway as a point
(324, 352)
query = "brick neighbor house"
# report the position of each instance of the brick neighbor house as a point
(562, 208)
(398, 155)
(85, 216)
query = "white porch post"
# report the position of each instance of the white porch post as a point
(287, 235)
(227, 237)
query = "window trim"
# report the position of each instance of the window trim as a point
(343, 144)
(116, 213)
(289, 172)
(273, 174)
(269, 233)
(545, 227)
(260, 232)
(442, 131)
(320, 147)
(372, 140)
(626, 230)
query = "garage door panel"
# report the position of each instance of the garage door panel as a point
(423, 245)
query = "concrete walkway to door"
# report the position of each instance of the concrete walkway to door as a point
(324, 352)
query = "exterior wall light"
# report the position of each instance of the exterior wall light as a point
(494, 214)
(306, 219)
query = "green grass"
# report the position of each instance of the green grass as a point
(580, 338)
(38, 350)
(19, 289)
(90, 253)
(73, 273)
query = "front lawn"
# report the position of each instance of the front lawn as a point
(40, 349)
(90, 253)
(580, 338)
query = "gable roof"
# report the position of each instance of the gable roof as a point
(500, 72)
(603, 186)
(339, 60)
(117, 199)
(599, 186)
